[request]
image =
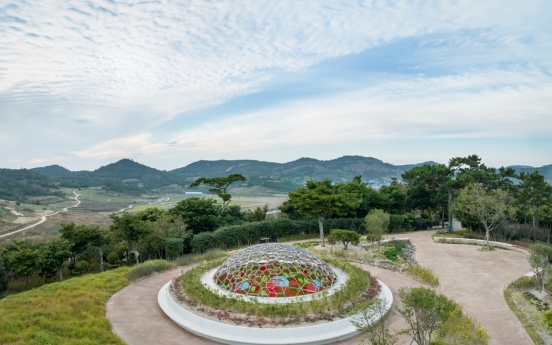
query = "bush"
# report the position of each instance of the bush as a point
(250, 233)
(420, 224)
(398, 223)
(391, 253)
(202, 242)
(148, 268)
(113, 258)
(80, 267)
(345, 237)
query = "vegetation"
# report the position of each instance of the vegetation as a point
(423, 274)
(378, 332)
(489, 207)
(148, 268)
(69, 312)
(539, 259)
(527, 314)
(359, 288)
(427, 313)
(320, 199)
(345, 237)
(377, 223)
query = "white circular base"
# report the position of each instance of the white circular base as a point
(324, 333)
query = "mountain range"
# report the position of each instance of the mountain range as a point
(129, 177)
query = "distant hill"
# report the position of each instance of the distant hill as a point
(299, 171)
(123, 176)
(52, 170)
(545, 170)
(17, 184)
(129, 177)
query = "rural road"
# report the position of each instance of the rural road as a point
(43, 218)
(474, 279)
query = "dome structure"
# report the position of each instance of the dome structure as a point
(274, 270)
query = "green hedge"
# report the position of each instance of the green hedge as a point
(251, 233)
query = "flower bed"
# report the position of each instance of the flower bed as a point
(357, 292)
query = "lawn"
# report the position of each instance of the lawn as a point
(68, 312)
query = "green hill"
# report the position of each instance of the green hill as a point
(17, 184)
(52, 170)
(298, 171)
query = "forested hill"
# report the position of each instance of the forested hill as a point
(545, 170)
(52, 170)
(298, 171)
(124, 176)
(16, 184)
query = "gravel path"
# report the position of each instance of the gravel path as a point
(475, 279)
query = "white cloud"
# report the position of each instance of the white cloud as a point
(79, 74)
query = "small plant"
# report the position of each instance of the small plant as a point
(345, 237)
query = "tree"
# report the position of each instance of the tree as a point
(345, 237)
(256, 215)
(374, 324)
(535, 192)
(377, 223)
(3, 277)
(82, 237)
(201, 215)
(544, 217)
(424, 311)
(490, 207)
(131, 229)
(22, 258)
(219, 185)
(320, 199)
(51, 257)
(539, 259)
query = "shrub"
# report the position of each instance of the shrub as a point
(80, 267)
(420, 224)
(462, 330)
(398, 223)
(345, 237)
(113, 258)
(148, 268)
(202, 242)
(391, 253)
(522, 283)
(423, 274)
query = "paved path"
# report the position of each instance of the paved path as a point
(43, 218)
(474, 279)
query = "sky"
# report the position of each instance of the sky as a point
(166, 83)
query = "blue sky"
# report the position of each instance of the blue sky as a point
(85, 83)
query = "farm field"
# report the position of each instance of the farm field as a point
(95, 208)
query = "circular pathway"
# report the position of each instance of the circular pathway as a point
(474, 279)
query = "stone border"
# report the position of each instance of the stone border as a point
(209, 282)
(480, 242)
(324, 333)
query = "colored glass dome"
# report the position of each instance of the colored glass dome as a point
(274, 270)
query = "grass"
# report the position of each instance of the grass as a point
(72, 312)
(69, 312)
(529, 328)
(423, 274)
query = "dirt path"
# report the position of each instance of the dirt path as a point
(44, 217)
(474, 279)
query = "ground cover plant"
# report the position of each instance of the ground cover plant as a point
(357, 293)
(72, 312)
(533, 313)
(68, 312)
